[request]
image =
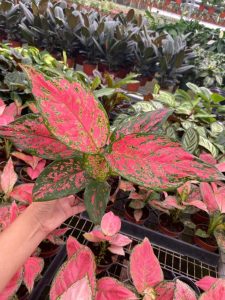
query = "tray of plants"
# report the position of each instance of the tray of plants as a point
(173, 264)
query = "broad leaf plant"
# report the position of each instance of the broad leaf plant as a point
(72, 129)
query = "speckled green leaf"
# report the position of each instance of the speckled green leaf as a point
(60, 179)
(190, 140)
(205, 143)
(96, 197)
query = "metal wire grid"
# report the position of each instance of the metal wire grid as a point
(172, 263)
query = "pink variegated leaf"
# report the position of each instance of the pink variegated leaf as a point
(96, 236)
(145, 122)
(29, 134)
(156, 162)
(199, 204)
(126, 186)
(30, 160)
(60, 179)
(221, 167)
(134, 195)
(144, 267)
(110, 224)
(183, 291)
(120, 240)
(80, 290)
(34, 173)
(2, 106)
(12, 286)
(32, 269)
(208, 197)
(206, 282)
(23, 193)
(14, 211)
(165, 290)
(11, 110)
(216, 291)
(72, 246)
(111, 289)
(81, 264)
(116, 250)
(184, 190)
(138, 213)
(5, 120)
(70, 112)
(32, 106)
(220, 199)
(8, 177)
(54, 236)
(208, 158)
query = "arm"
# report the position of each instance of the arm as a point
(21, 238)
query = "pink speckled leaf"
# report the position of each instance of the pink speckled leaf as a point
(29, 133)
(81, 264)
(8, 177)
(54, 236)
(116, 250)
(72, 246)
(59, 179)
(126, 186)
(32, 268)
(80, 290)
(208, 158)
(217, 291)
(145, 122)
(30, 160)
(110, 224)
(156, 162)
(34, 173)
(70, 112)
(221, 167)
(23, 193)
(96, 197)
(206, 282)
(183, 291)
(208, 197)
(165, 290)
(12, 286)
(145, 269)
(111, 289)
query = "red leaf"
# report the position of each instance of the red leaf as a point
(157, 162)
(34, 173)
(72, 246)
(32, 268)
(23, 193)
(59, 179)
(111, 289)
(82, 263)
(110, 224)
(144, 267)
(217, 291)
(206, 282)
(208, 197)
(8, 177)
(145, 122)
(183, 291)
(29, 133)
(80, 290)
(12, 286)
(30, 160)
(70, 112)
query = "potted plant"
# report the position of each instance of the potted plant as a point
(85, 161)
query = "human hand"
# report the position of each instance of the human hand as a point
(51, 214)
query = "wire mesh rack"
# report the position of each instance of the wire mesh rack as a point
(173, 264)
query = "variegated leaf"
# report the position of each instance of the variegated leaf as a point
(145, 269)
(111, 289)
(205, 143)
(81, 264)
(8, 177)
(59, 179)
(96, 167)
(216, 291)
(190, 140)
(156, 162)
(32, 268)
(145, 122)
(206, 282)
(80, 290)
(70, 112)
(29, 134)
(96, 197)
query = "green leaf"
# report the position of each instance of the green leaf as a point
(201, 233)
(95, 83)
(216, 128)
(60, 179)
(96, 197)
(190, 140)
(104, 92)
(171, 132)
(208, 145)
(217, 98)
(166, 98)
